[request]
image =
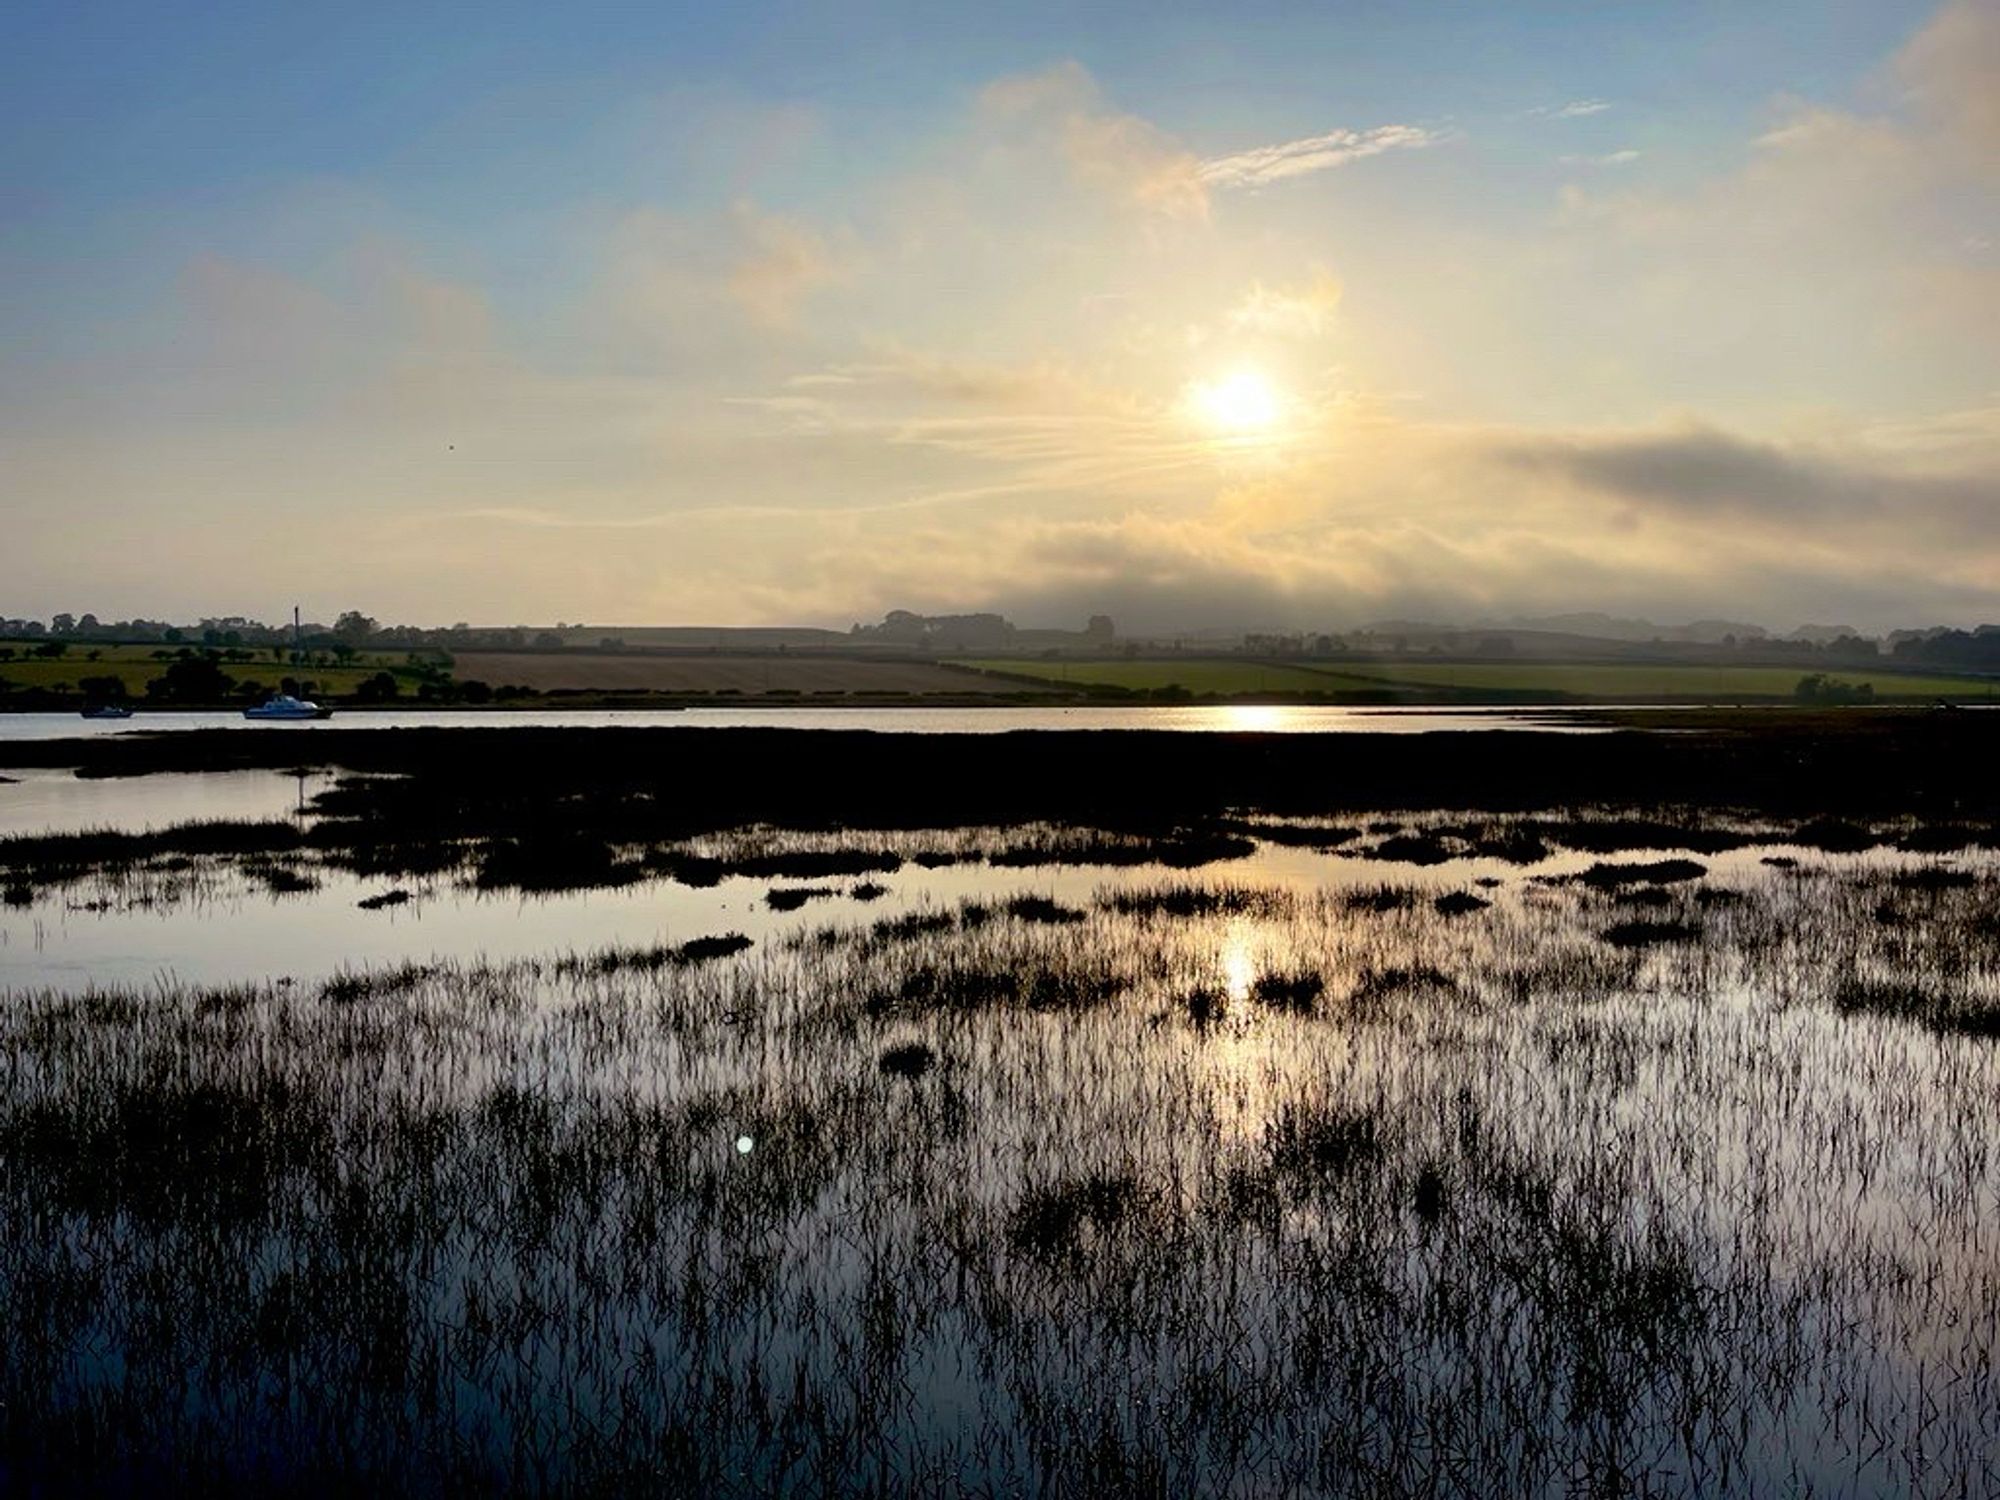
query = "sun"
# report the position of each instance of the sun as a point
(1242, 401)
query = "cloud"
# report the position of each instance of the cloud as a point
(1833, 263)
(1262, 165)
(1122, 154)
(1609, 159)
(1700, 473)
(780, 262)
(1296, 312)
(1576, 109)
(1125, 152)
(1951, 69)
(1081, 506)
(1135, 160)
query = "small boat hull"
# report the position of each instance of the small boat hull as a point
(107, 713)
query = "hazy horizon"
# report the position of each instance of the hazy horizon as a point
(1582, 623)
(1290, 317)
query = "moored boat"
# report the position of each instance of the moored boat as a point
(283, 707)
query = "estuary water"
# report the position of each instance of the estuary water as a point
(219, 922)
(1209, 718)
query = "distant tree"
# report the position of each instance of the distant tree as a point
(62, 625)
(192, 679)
(355, 628)
(172, 635)
(380, 688)
(52, 649)
(472, 690)
(88, 625)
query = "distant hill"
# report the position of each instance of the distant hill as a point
(701, 637)
(1618, 628)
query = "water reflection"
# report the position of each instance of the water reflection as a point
(40, 801)
(1192, 717)
(1238, 962)
(220, 923)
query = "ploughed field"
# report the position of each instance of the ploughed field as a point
(1377, 1151)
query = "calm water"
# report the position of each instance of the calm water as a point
(221, 926)
(1198, 718)
(37, 800)
(225, 928)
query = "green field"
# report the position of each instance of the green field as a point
(136, 666)
(1464, 680)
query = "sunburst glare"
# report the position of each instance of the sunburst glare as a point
(1240, 402)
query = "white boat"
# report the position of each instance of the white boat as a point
(107, 711)
(283, 706)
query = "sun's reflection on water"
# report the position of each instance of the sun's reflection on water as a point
(1241, 1056)
(1237, 963)
(1257, 718)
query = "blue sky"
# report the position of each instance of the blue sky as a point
(803, 312)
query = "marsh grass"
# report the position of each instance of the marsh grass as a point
(1925, 1004)
(1202, 1187)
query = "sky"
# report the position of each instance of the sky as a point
(1246, 317)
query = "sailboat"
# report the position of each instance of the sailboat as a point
(283, 707)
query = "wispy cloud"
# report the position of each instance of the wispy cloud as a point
(1609, 159)
(1262, 165)
(1300, 311)
(1576, 109)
